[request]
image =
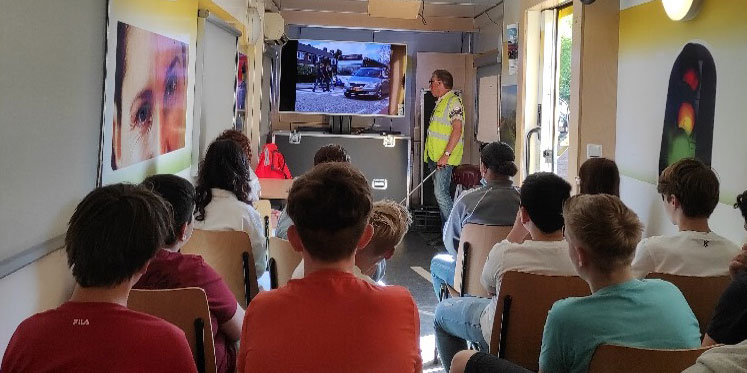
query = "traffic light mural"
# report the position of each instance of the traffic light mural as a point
(689, 111)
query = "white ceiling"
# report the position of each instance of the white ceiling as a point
(432, 8)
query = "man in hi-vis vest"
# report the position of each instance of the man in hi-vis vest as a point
(445, 141)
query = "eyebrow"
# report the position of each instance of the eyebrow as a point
(172, 66)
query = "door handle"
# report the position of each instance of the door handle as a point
(527, 145)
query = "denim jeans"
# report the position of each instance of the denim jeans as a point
(457, 321)
(441, 185)
(443, 267)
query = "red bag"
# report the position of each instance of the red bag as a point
(272, 164)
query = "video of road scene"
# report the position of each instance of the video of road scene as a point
(342, 78)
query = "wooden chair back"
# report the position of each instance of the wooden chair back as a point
(187, 308)
(274, 188)
(230, 254)
(524, 300)
(474, 245)
(283, 260)
(701, 293)
(619, 359)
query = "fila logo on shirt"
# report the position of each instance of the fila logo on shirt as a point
(80, 322)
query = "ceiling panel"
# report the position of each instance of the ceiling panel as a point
(433, 8)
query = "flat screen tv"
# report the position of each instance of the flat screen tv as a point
(343, 78)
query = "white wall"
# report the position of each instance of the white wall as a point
(649, 45)
(51, 74)
(51, 84)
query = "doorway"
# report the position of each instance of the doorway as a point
(547, 143)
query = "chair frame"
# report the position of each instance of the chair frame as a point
(465, 252)
(248, 291)
(502, 322)
(609, 358)
(272, 265)
(701, 293)
(204, 345)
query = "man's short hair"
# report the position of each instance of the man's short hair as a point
(608, 229)
(445, 78)
(180, 194)
(331, 153)
(542, 195)
(390, 221)
(742, 204)
(694, 184)
(114, 232)
(330, 206)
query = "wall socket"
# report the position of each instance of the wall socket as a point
(593, 151)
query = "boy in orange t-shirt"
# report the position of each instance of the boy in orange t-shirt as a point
(331, 321)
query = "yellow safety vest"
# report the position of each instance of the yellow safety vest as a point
(439, 131)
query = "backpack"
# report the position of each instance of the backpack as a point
(272, 164)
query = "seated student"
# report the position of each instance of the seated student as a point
(331, 321)
(171, 269)
(243, 141)
(602, 234)
(690, 191)
(390, 222)
(458, 320)
(722, 359)
(112, 235)
(327, 153)
(495, 203)
(222, 197)
(598, 175)
(729, 322)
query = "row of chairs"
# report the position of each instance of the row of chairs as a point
(525, 299)
(230, 254)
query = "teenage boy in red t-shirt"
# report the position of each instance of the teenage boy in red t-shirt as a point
(331, 321)
(171, 269)
(111, 237)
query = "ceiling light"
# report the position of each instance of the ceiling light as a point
(681, 10)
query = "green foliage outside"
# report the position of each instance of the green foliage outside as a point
(564, 64)
(565, 70)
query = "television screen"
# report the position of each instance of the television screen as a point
(343, 78)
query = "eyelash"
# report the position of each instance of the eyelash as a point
(143, 124)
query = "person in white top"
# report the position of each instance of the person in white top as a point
(390, 222)
(690, 191)
(540, 216)
(222, 201)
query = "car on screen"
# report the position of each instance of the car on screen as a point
(369, 81)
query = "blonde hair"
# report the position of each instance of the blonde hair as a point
(606, 227)
(390, 221)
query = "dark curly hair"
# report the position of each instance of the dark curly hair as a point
(742, 204)
(225, 167)
(240, 139)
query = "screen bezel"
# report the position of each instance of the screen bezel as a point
(404, 76)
